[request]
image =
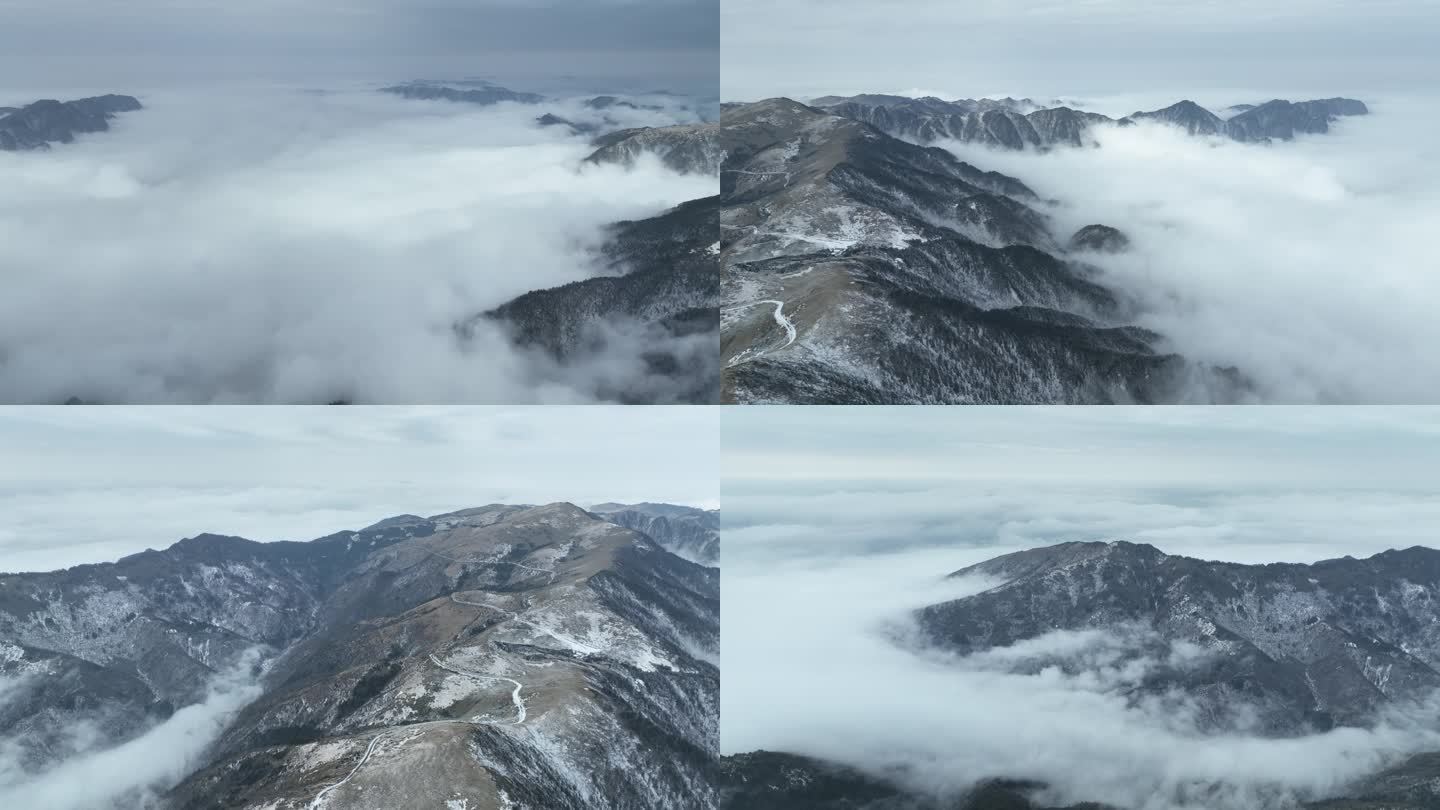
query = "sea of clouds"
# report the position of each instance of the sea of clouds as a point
(1308, 265)
(286, 245)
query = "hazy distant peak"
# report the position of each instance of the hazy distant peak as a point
(41, 123)
(482, 93)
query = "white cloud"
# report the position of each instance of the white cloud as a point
(280, 246)
(1310, 266)
(124, 775)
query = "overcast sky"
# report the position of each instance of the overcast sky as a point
(93, 484)
(1247, 484)
(1043, 48)
(147, 43)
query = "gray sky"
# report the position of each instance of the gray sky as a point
(1248, 484)
(147, 43)
(93, 484)
(1044, 48)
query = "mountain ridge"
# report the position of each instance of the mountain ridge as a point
(513, 628)
(1022, 124)
(859, 268)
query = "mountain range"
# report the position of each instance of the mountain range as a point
(1279, 650)
(482, 93)
(1022, 124)
(498, 657)
(857, 267)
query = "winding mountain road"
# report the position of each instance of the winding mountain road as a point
(784, 322)
(514, 696)
(319, 800)
(521, 711)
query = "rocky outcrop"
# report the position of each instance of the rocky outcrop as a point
(1100, 238)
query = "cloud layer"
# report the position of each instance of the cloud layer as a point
(126, 775)
(85, 485)
(1311, 266)
(279, 246)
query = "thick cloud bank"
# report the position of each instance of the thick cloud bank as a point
(1311, 266)
(127, 775)
(987, 521)
(282, 246)
(821, 660)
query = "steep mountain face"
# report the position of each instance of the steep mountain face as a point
(859, 268)
(475, 92)
(663, 297)
(690, 533)
(686, 148)
(499, 657)
(1011, 124)
(37, 125)
(1306, 647)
